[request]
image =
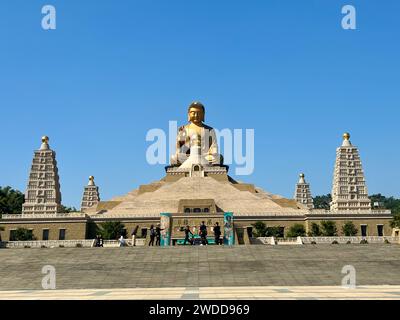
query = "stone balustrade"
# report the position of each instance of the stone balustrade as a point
(347, 212)
(326, 240)
(44, 216)
(65, 243)
(353, 240)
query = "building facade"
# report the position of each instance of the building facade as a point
(191, 194)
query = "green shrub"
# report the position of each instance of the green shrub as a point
(349, 229)
(348, 242)
(313, 242)
(335, 242)
(111, 230)
(329, 228)
(79, 245)
(297, 230)
(363, 241)
(23, 234)
(315, 230)
(387, 241)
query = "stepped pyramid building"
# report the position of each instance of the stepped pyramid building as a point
(91, 196)
(43, 194)
(195, 187)
(303, 193)
(349, 189)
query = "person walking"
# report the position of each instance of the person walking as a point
(152, 235)
(187, 233)
(101, 241)
(122, 242)
(133, 234)
(203, 233)
(217, 234)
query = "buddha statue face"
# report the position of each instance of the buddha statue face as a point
(196, 113)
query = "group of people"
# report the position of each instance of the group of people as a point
(189, 236)
(155, 234)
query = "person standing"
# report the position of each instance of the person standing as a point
(97, 243)
(133, 234)
(203, 233)
(158, 235)
(217, 234)
(152, 235)
(187, 233)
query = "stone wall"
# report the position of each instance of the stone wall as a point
(372, 229)
(73, 230)
(371, 224)
(86, 229)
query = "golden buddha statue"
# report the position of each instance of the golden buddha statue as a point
(196, 143)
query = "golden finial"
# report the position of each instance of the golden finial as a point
(45, 139)
(346, 136)
(302, 175)
(91, 181)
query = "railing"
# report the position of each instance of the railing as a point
(66, 243)
(48, 244)
(326, 240)
(280, 241)
(352, 240)
(44, 216)
(348, 212)
(115, 243)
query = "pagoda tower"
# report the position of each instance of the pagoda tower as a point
(349, 190)
(91, 196)
(43, 194)
(303, 193)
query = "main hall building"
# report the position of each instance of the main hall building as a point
(209, 194)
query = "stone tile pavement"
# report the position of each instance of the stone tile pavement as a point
(106, 269)
(212, 293)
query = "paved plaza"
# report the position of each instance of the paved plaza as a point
(199, 267)
(212, 293)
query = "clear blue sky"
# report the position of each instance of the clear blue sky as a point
(114, 69)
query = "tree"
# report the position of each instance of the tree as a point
(323, 202)
(297, 230)
(260, 229)
(22, 234)
(111, 230)
(395, 222)
(65, 209)
(11, 201)
(349, 229)
(329, 228)
(389, 203)
(315, 230)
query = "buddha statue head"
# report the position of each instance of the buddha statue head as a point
(196, 113)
